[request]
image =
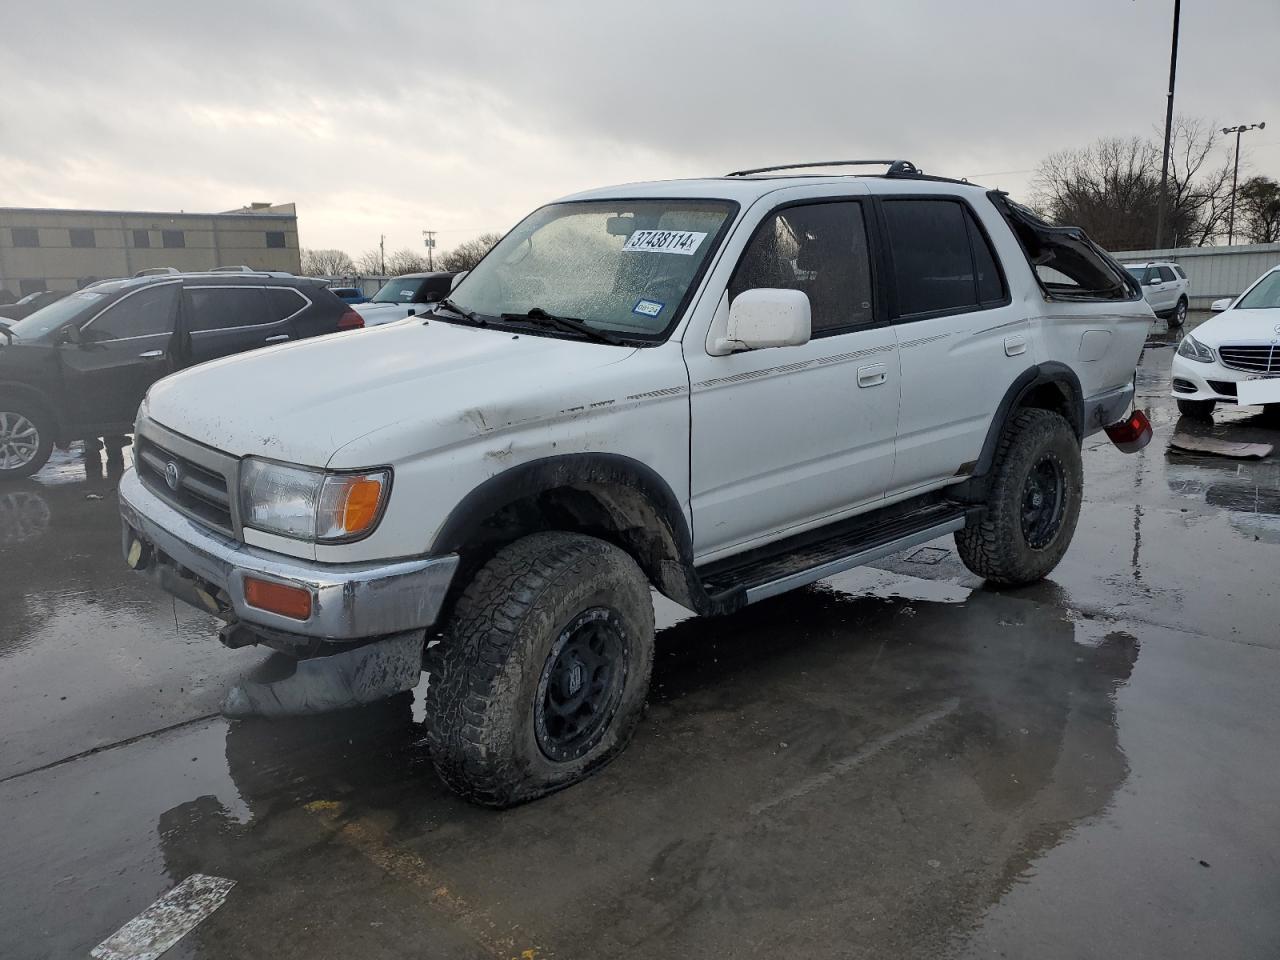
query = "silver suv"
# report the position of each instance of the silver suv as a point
(1165, 286)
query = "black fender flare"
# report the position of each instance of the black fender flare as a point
(635, 495)
(1051, 372)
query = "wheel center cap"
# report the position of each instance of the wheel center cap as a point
(575, 679)
(1037, 499)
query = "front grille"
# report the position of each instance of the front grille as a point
(1224, 387)
(1250, 357)
(201, 493)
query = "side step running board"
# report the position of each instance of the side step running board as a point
(840, 564)
(803, 559)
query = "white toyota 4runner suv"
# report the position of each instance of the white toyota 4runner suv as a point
(722, 389)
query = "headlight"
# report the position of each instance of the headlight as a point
(1193, 349)
(311, 504)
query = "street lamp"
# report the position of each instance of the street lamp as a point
(1235, 173)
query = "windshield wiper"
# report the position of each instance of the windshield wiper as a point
(467, 315)
(543, 319)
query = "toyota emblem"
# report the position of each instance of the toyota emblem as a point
(171, 475)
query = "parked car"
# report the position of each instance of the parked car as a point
(405, 296)
(1165, 287)
(349, 294)
(30, 304)
(722, 389)
(79, 367)
(1238, 345)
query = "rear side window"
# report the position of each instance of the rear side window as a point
(1165, 274)
(285, 302)
(148, 312)
(1182, 274)
(820, 249)
(223, 308)
(942, 262)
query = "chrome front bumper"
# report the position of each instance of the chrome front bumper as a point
(207, 570)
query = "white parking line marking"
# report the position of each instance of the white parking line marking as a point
(841, 767)
(166, 921)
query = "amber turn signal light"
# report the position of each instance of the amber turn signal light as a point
(278, 598)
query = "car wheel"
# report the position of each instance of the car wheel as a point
(26, 439)
(1179, 315)
(1033, 503)
(1197, 409)
(541, 673)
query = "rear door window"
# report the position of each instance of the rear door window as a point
(942, 263)
(1166, 274)
(145, 313)
(286, 302)
(224, 308)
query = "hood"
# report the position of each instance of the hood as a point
(376, 314)
(302, 402)
(1240, 326)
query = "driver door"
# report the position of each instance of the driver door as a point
(120, 353)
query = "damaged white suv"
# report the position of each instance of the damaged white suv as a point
(722, 389)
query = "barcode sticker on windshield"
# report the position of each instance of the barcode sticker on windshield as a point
(665, 241)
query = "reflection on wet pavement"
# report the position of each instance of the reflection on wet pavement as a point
(897, 762)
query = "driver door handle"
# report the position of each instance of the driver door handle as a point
(152, 355)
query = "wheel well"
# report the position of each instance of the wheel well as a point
(25, 394)
(1056, 396)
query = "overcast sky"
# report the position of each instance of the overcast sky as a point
(392, 117)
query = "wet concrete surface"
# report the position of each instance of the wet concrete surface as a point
(898, 762)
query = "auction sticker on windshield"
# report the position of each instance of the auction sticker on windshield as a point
(665, 241)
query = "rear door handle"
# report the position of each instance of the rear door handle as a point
(1015, 346)
(151, 355)
(277, 338)
(873, 375)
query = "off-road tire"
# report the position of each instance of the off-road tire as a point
(1197, 409)
(44, 426)
(996, 547)
(1178, 316)
(484, 688)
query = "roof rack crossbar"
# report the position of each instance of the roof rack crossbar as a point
(897, 168)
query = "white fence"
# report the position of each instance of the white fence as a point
(1214, 272)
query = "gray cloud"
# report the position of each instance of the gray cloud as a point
(464, 116)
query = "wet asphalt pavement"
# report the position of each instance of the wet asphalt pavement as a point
(898, 762)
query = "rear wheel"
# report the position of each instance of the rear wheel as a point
(1179, 315)
(26, 439)
(1197, 409)
(541, 675)
(1033, 503)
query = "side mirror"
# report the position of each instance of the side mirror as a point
(457, 279)
(1219, 305)
(768, 318)
(71, 334)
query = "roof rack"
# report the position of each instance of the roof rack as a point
(897, 168)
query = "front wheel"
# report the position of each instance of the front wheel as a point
(541, 674)
(1033, 503)
(1197, 409)
(1179, 315)
(26, 439)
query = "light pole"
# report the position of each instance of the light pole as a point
(1235, 173)
(429, 240)
(1168, 129)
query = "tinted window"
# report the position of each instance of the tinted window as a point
(285, 302)
(275, 238)
(1166, 274)
(991, 287)
(82, 238)
(173, 238)
(820, 249)
(148, 311)
(1179, 271)
(218, 308)
(142, 239)
(932, 264)
(31, 285)
(25, 237)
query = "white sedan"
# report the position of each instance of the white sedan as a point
(1234, 356)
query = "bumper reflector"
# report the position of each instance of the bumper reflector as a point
(1133, 434)
(278, 598)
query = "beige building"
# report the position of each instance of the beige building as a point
(42, 249)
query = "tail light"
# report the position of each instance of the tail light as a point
(350, 320)
(1133, 434)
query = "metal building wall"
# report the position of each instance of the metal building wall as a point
(1214, 272)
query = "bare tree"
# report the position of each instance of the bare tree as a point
(1111, 188)
(1258, 210)
(327, 263)
(369, 263)
(466, 255)
(406, 261)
